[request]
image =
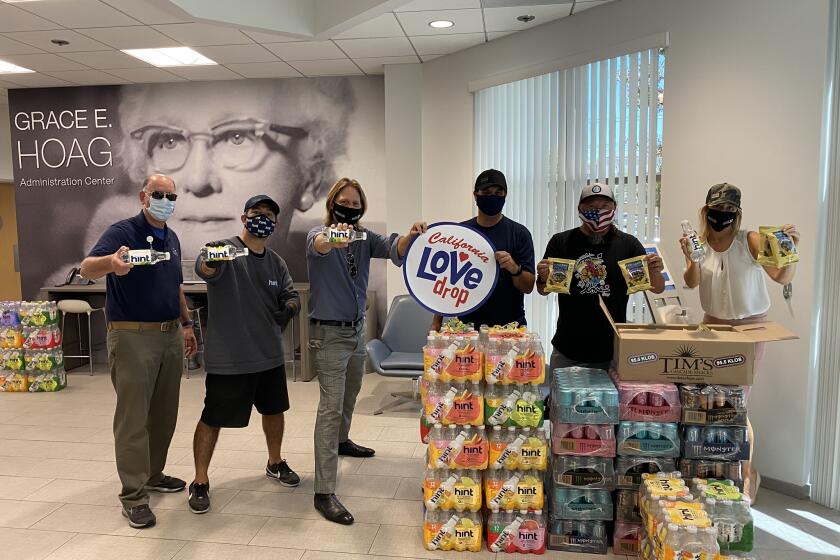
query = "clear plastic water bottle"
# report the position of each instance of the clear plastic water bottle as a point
(224, 253)
(697, 250)
(335, 235)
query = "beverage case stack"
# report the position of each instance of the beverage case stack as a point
(30, 347)
(585, 410)
(488, 451)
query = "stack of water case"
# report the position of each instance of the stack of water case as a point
(648, 443)
(30, 347)
(584, 413)
(472, 426)
(715, 435)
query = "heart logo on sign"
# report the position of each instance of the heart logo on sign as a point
(451, 269)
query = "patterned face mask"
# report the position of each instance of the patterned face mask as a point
(598, 220)
(259, 226)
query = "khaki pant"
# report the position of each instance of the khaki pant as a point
(340, 366)
(146, 368)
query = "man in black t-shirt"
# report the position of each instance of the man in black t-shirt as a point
(584, 337)
(514, 253)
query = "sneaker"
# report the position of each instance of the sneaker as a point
(199, 498)
(139, 517)
(282, 472)
(167, 484)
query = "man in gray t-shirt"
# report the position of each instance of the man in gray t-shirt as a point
(251, 299)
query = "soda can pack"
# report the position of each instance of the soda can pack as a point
(708, 405)
(629, 470)
(627, 538)
(627, 506)
(648, 439)
(582, 504)
(584, 396)
(583, 440)
(719, 443)
(587, 537)
(648, 402)
(583, 472)
(718, 470)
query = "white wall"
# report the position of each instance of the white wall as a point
(743, 93)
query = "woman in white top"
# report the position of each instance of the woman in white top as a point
(733, 289)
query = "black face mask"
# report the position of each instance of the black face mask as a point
(346, 215)
(719, 220)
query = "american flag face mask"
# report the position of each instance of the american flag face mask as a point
(598, 220)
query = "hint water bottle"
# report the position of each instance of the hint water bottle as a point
(696, 248)
(224, 253)
(335, 235)
(139, 257)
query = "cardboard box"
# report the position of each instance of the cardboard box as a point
(721, 355)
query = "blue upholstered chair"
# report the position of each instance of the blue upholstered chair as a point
(399, 352)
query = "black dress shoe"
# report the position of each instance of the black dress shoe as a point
(350, 449)
(332, 510)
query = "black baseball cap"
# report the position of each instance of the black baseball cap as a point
(489, 178)
(262, 199)
(723, 193)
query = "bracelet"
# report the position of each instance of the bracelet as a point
(187, 324)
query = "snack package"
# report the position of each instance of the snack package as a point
(777, 248)
(636, 274)
(560, 274)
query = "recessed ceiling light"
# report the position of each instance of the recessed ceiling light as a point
(171, 56)
(9, 68)
(441, 23)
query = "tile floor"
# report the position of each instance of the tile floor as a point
(58, 488)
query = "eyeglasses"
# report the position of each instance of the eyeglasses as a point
(351, 264)
(234, 144)
(158, 195)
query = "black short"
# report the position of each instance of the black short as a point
(228, 398)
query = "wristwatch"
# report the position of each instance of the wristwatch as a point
(187, 324)
(518, 271)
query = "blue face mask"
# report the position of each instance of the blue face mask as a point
(490, 204)
(259, 226)
(162, 209)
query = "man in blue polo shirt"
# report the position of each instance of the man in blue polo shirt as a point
(149, 332)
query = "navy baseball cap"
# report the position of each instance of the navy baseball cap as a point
(262, 199)
(489, 178)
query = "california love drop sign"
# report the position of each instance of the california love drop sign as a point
(451, 269)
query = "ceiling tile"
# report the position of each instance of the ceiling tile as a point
(342, 67)
(237, 53)
(147, 12)
(417, 23)
(15, 19)
(491, 35)
(504, 19)
(581, 6)
(104, 60)
(260, 37)
(35, 80)
(43, 62)
(89, 77)
(446, 44)
(426, 5)
(205, 73)
(194, 34)
(146, 75)
(41, 39)
(133, 37)
(79, 13)
(265, 70)
(385, 25)
(306, 50)
(9, 46)
(375, 65)
(370, 48)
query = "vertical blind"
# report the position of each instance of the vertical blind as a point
(553, 134)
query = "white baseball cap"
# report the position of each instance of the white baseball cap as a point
(596, 189)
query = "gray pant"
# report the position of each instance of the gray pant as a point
(146, 368)
(339, 357)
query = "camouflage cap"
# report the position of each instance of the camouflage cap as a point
(723, 193)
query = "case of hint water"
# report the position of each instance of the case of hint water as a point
(581, 505)
(648, 439)
(722, 405)
(716, 443)
(648, 402)
(627, 506)
(589, 537)
(583, 472)
(629, 470)
(583, 440)
(583, 396)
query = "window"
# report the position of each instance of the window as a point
(553, 134)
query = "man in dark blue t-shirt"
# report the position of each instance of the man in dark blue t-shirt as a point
(149, 332)
(514, 253)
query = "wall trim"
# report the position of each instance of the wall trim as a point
(786, 488)
(657, 40)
